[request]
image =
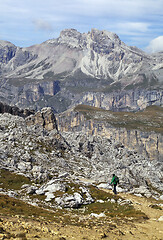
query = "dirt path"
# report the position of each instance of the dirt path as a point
(151, 229)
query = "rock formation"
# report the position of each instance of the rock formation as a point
(96, 67)
(44, 118)
(40, 153)
(146, 143)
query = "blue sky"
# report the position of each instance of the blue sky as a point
(137, 22)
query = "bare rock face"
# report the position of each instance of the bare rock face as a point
(44, 118)
(146, 143)
(75, 66)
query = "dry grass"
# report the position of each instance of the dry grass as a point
(11, 180)
(151, 119)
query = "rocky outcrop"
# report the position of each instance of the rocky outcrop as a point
(100, 54)
(12, 57)
(39, 153)
(44, 118)
(42, 94)
(149, 144)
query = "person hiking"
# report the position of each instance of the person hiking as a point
(114, 181)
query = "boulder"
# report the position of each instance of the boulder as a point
(31, 189)
(161, 197)
(97, 215)
(49, 196)
(160, 219)
(104, 185)
(70, 201)
(143, 190)
(54, 187)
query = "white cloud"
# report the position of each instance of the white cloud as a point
(156, 45)
(132, 27)
(41, 24)
(127, 18)
(129, 28)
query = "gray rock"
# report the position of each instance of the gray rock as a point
(49, 196)
(101, 215)
(143, 190)
(31, 189)
(70, 201)
(161, 197)
(124, 202)
(12, 194)
(100, 201)
(104, 185)
(53, 187)
(98, 55)
(160, 219)
(40, 192)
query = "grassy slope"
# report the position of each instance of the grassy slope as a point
(14, 206)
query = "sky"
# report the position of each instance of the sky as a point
(137, 22)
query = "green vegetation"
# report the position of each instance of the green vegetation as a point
(100, 194)
(12, 207)
(11, 180)
(150, 119)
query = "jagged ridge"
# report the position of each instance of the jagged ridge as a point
(63, 70)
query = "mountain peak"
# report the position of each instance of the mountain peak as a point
(69, 32)
(70, 37)
(4, 43)
(104, 34)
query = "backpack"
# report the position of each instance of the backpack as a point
(116, 179)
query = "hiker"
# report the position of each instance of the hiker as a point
(114, 181)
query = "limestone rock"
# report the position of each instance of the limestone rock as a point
(70, 201)
(101, 215)
(49, 196)
(160, 219)
(54, 187)
(46, 75)
(44, 118)
(161, 197)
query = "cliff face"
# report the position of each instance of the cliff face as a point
(124, 100)
(52, 93)
(148, 144)
(33, 94)
(95, 68)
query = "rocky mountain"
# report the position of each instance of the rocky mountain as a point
(43, 166)
(141, 131)
(62, 161)
(33, 146)
(77, 67)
